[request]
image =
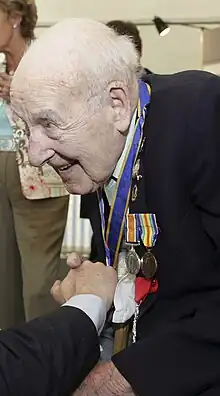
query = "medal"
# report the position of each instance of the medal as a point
(148, 265)
(141, 226)
(135, 172)
(134, 193)
(136, 168)
(133, 262)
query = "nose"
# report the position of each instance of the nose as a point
(38, 151)
(38, 157)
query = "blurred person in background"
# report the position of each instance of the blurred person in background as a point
(127, 28)
(33, 202)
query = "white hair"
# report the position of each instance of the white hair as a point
(88, 56)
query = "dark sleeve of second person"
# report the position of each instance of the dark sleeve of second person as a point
(183, 357)
(49, 355)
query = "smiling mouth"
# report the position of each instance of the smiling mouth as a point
(64, 168)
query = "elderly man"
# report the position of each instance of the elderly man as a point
(151, 151)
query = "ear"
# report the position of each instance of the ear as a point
(121, 105)
(15, 19)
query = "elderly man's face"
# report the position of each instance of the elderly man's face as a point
(83, 146)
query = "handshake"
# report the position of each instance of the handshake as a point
(86, 277)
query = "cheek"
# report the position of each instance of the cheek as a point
(110, 147)
(66, 149)
(101, 160)
(5, 35)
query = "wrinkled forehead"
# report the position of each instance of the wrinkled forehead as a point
(47, 72)
(40, 84)
(44, 85)
(30, 95)
(43, 64)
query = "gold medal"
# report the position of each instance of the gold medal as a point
(133, 262)
(148, 265)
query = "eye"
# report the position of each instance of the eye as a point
(47, 123)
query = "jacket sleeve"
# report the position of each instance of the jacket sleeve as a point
(48, 356)
(86, 205)
(182, 358)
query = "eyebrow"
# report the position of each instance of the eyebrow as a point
(47, 114)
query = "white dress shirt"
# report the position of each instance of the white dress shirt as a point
(93, 306)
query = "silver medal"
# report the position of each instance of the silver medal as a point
(133, 262)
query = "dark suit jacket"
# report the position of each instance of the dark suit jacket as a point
(49, 356)
(178, 352)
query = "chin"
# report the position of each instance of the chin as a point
(77, 189)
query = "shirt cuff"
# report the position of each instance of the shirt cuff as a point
(92, 305)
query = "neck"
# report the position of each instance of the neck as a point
(14, 53)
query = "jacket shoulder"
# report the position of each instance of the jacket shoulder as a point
(190, 83)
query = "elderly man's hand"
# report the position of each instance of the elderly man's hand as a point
(5, 84)
(87, 278)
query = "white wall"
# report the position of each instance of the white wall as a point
(52, 10)
(181, 49)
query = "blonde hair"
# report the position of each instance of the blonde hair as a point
(28, 11)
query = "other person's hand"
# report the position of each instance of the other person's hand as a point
(87, 278)
(74, 260)
(5, 84)
(64, 290)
